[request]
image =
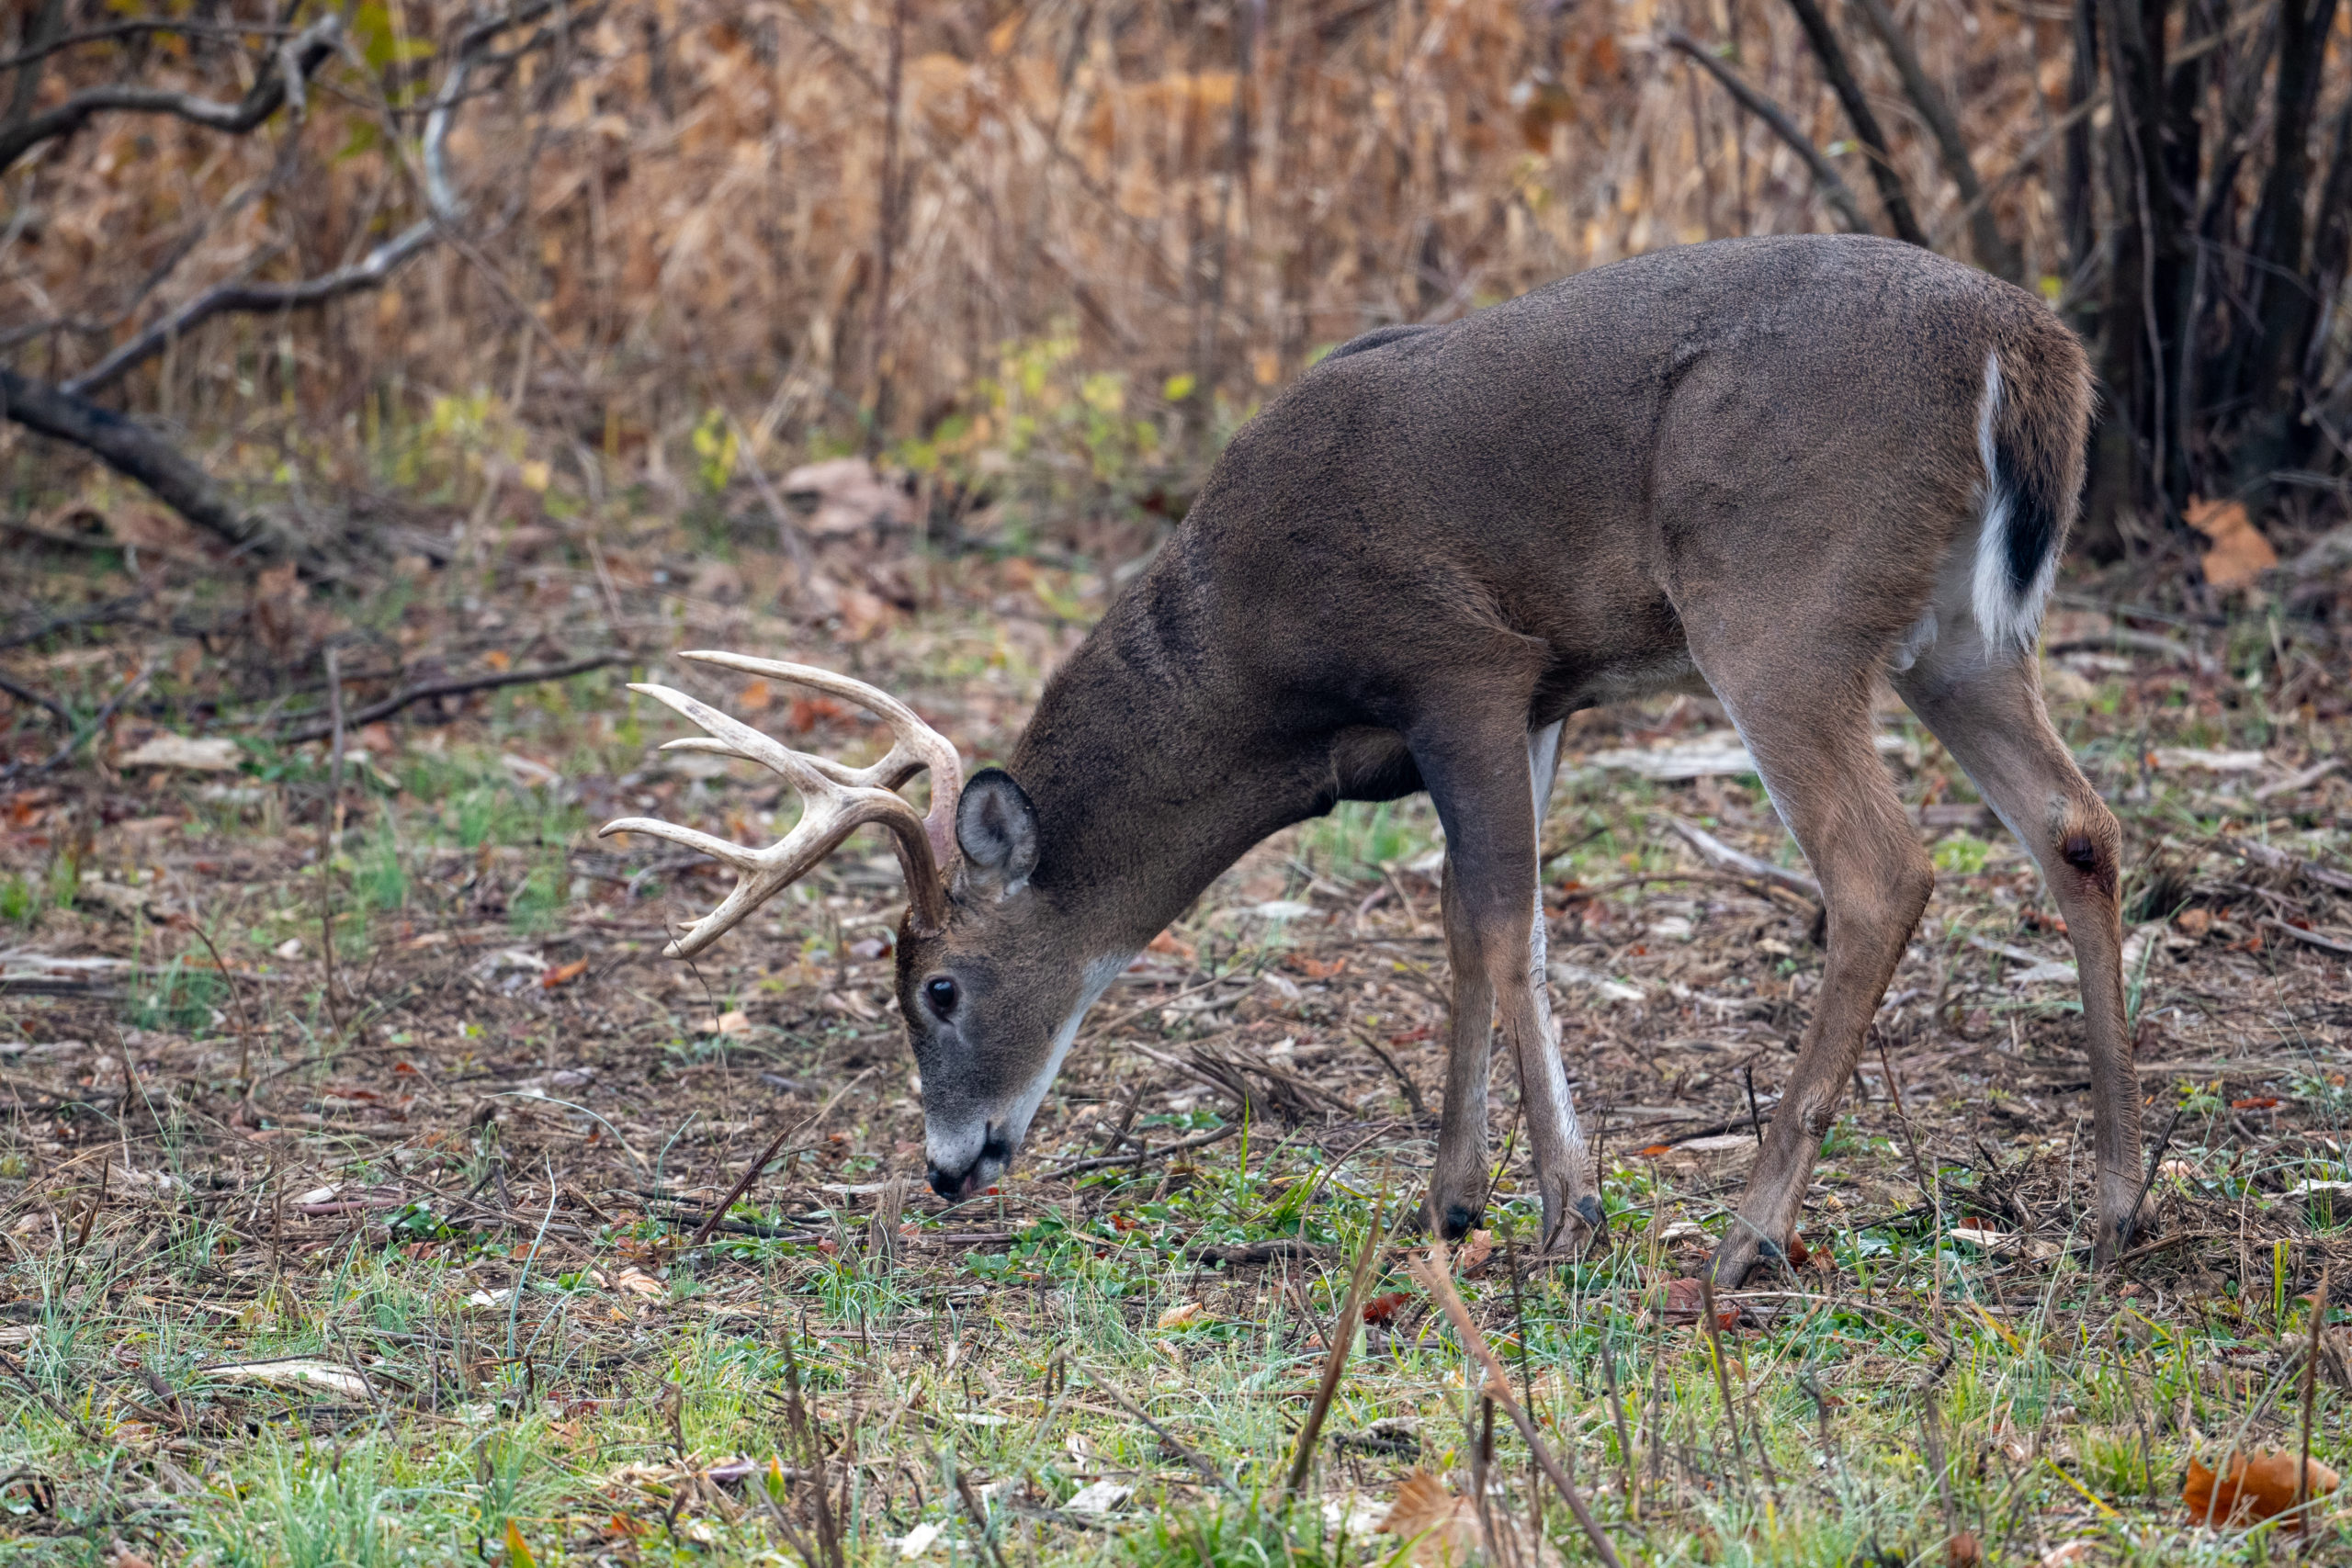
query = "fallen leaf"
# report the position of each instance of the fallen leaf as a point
(1476, 1248)
(1686, 1302)
(1183, 1316)
(2066, 1556)
(1322, 969)
(518, 1551)
(1099, 1500)
(563, 974)
(1963, 1550)
(918, 1541)
(212, 754)
(1384, 1308)
(635, 1281)
(2250, 1488)
(1656, 1151)
(755, 696)
(2194, 922)
(1441, 1530)
(293, 1372)
(2255, 1102)
(1167, 942)
(736, 1022)
(2240, 553)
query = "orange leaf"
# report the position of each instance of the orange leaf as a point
(563, 974)
(2240, 553)
(2250, 1488)
(1384, 1308)
(2258, 1102)
(1655, 1150)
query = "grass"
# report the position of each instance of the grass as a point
(467, 1182)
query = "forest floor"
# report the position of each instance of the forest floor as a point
(360, 1155)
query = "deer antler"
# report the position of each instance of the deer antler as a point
(835, 800)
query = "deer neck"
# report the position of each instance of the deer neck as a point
(1149, 779)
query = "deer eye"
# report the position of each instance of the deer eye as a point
(941, 994)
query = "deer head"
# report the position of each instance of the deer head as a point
(990, 983)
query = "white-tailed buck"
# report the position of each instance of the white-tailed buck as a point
(1776, 471)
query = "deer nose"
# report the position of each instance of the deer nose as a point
(952, 1185)
(987, 1164)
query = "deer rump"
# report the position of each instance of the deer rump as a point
(1780, 470)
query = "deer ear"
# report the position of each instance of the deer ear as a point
(996, 829)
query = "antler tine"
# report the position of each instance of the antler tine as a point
(836, 800)
(915, 745)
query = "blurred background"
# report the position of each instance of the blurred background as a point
(365, 276)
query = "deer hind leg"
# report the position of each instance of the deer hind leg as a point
(1494, 945)
(1812, 743)
(1990, 714)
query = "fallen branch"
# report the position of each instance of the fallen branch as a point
(1723, 857)
(316, 727)
(27, 695)
(2326, 944)
(2276, 859)
(73, 743)
(1824, 178)
(130, 449)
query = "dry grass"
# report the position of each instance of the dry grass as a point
(684, 216)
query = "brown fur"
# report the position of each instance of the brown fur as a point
(1748, 467)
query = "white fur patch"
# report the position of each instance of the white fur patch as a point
(1091, 987)
(2008, 621)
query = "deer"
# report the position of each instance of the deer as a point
(1775, 472)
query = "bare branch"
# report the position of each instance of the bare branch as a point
(229, 30)
(130, 448)
(1994, 251)
(1833, 190)
(368, 272)
(306, 53)
(1834, 65)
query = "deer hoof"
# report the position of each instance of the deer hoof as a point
(1734, 1257)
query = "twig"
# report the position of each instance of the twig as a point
(1397, 1071)
(718, 1211)
(1824, 178)
(1722, 856)
(1435, 1274)
(2309, 939)
(315, 730)
(73, 743)
(2311, 1393)
(1335, 1360)
(1174, 1444)
(27, 695)
(1723, 1375)
(1103, 1162)
(974, 1507)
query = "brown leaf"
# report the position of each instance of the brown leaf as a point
(2240, 553)
(2249, 1488)
(1686, 1302)
(1963, 1550)
(1384, 1308)
(563, 974)
(1476, 1248)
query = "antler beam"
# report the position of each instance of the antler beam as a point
(836, 799)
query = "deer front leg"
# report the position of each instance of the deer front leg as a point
(1495, 942)
(1458, 1187)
